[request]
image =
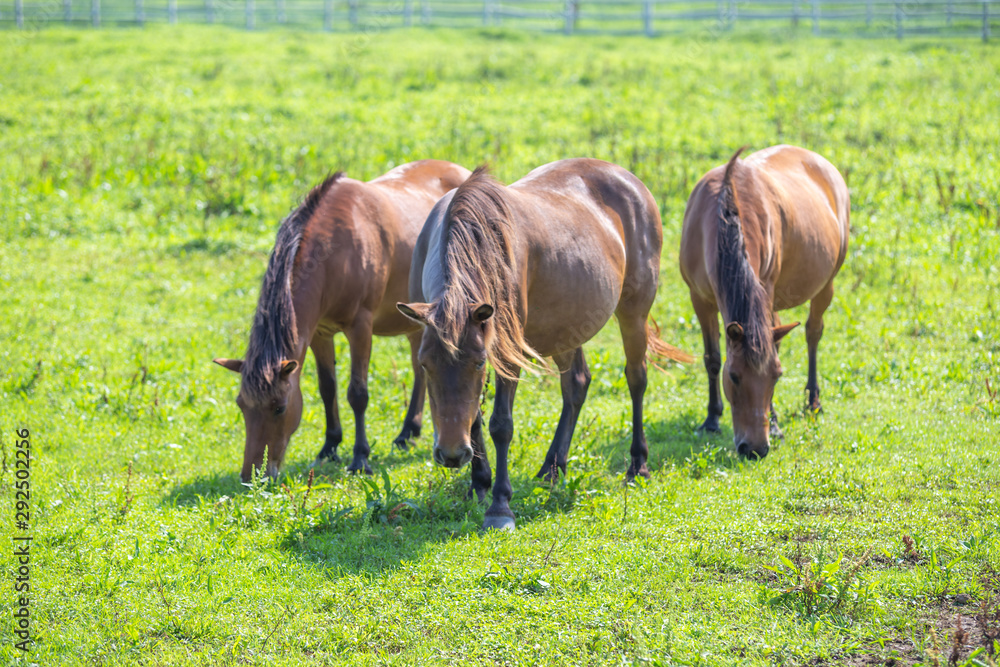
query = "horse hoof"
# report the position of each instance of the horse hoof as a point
(548, 474)
(498, 522)
(321, 459)
(709, 427)
(642, 472)
(357, 467)
(401, 443)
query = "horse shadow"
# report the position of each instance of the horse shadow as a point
(673, 441)
(380, 534)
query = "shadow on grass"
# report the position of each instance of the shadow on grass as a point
(385, 527)
(672, 442)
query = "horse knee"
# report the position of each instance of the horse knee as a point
(501, 428)
(357, 396)
(814, 331)
(581, 383)
(636, 377)
(713, 364)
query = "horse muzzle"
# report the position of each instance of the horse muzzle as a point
(452, 459)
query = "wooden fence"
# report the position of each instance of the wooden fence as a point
(876, 18)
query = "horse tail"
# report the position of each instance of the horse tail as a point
(729, 204)
(662, 349)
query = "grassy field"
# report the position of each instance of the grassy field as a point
(143, 175)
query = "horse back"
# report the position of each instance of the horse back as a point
(591, 240)
(811, 213)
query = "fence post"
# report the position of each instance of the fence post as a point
(795, 13)
(986, 20)
(140, 13)
(408, 13)
(209, 12)
(19, 13)
(280, 9)
(352, 13)
(425, 12)
(722, 14)
(815, 8)
(647, 17)
(568, 27)
(67, 10)
(328, 15)
(95, 13)
(869, 13)
(250, 15)
(899, 20)
(951, 6)
(172, 11)
(486, 12)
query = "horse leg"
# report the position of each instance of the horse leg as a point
(325, 354)
(574, 380)
(498, 515)
(481, 474)
(708, 318)
(814, 331)
(415, 411)
(633, 330)
(775, 428)
(360, 338)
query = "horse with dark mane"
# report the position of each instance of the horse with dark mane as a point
(761, 235)
(340, 263)
(516, 274)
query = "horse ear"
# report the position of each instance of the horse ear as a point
(482, 312)
(287, 366)
(734, 331)
(782, 331)
(415, 311)
(235, 365)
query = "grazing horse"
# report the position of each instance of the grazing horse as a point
(761, 235)
(340, 263)
(516, 274)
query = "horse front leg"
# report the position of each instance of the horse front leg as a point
(708, 318)
(499, 516)
(414, 412)
(574, 380)
(359, 336)
(481, 473)
(814, 332)
(325, 354)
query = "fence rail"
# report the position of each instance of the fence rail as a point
(897, 18)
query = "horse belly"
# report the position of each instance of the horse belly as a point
(569, 303)
(809, 262)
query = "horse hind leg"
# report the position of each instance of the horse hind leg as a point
(324, 352)
(814, 332)
(414, 412)
(574, 380)
(633, 330)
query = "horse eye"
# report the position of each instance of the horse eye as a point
(735, 378)
(280, 410)
(480, 365)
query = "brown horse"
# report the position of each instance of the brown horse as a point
(516, 274)
(761, 235)
(340, 263)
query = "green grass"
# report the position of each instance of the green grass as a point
(143, 176)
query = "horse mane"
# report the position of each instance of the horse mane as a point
(479, 268)
(273, 334)
(744, 297)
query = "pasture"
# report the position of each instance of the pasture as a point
(143, 176)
